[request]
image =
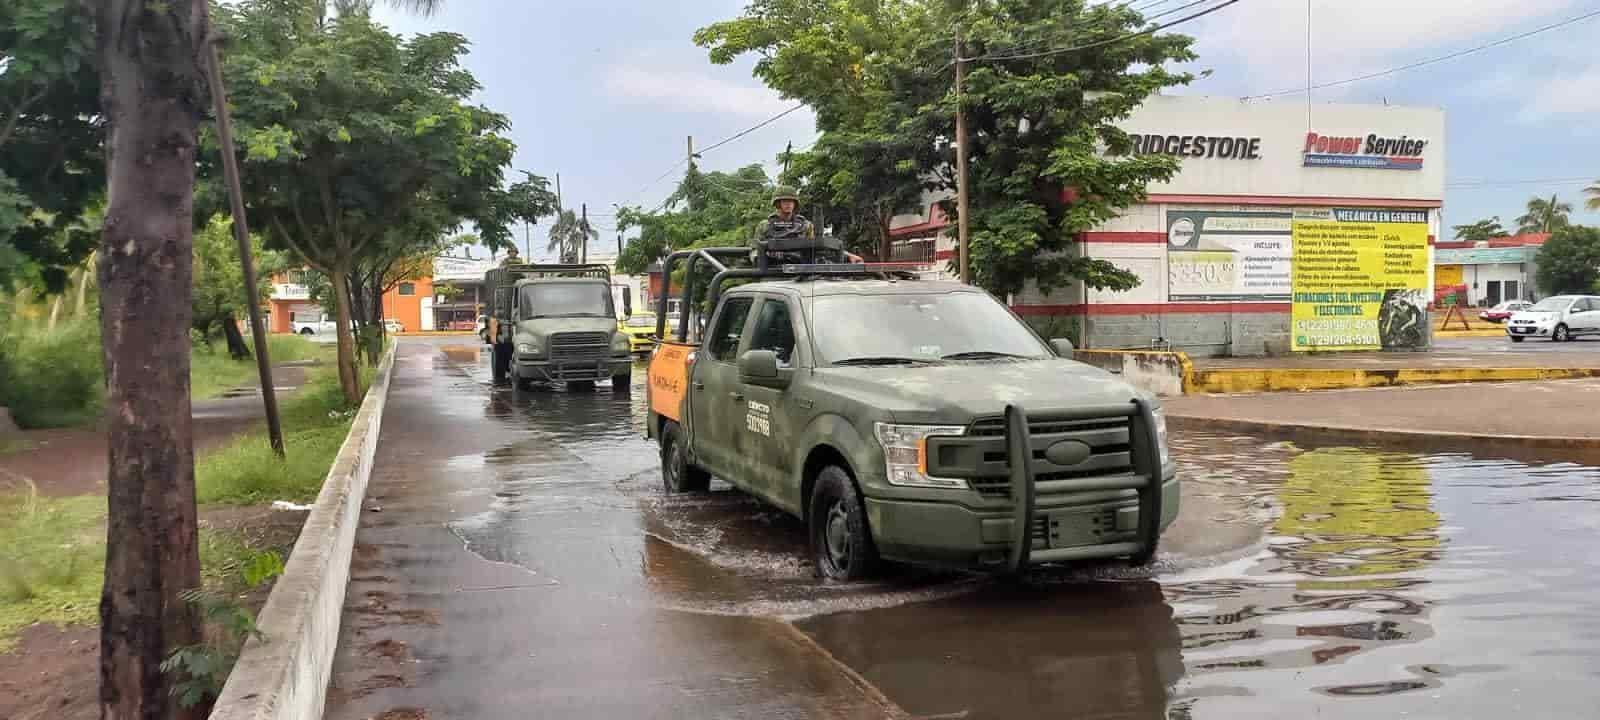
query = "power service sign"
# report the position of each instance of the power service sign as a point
(1360, 279)
(1372, 152)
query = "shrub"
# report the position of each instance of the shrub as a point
(52, 379)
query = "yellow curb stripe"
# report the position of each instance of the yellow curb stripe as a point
(1245, 380)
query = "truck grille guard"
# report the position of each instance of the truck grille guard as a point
(1146, 479)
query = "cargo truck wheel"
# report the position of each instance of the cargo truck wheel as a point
(499, 362)
(623, 382)
(677, 473)
(841, 542)
(1143, 557)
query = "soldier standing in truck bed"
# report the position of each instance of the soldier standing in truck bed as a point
(786, 222)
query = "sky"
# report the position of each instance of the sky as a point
(605, 93)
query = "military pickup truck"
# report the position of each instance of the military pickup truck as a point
(555, 323)
(905, 419)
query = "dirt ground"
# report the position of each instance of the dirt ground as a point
(53, 672)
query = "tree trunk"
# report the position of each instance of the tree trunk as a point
(375, 304)
(349, 380)
(237, 349)
(151, 79)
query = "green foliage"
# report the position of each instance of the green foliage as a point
(202, 669)
(247, 471)
(1569, 262)
(51, 168)
(219, 293)
(51, 554)
(1480, 231)
(879, 77)
(52, 379)
(1545, 216)
(706, 210)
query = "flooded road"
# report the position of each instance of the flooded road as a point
(517, 558)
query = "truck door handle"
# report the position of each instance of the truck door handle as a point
(699, 385)
(738, 397)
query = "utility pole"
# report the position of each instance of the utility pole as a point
(961, 166)
(241, 234)
(558, 191)
(583, 239)
(691, 153)
(527, 241)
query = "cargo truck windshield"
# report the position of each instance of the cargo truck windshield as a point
(566, 300)
(881, 329)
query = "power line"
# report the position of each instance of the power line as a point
(1108, 41)
(752, 129)
(1429, 61)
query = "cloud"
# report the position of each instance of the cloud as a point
(1267, 39)
(688, 91)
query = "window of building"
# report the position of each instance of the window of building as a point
(408, 288)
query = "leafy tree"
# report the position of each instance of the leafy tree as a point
(1480, 231)
(51, 167)
(1039, 123)
(358, 143)
(1544, 216)
(570, 235)
(219, 295)
(705, 210)
(1569, 262)
(1593, 201)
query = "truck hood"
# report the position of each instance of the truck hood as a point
(545, 327)
(958, 393)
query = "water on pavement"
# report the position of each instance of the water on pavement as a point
(542, 563)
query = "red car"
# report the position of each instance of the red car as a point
(1500, 313)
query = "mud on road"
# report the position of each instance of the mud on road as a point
(517, 558)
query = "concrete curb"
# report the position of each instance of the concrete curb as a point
(1247, 380)
(1407, 437)
(1484, 332)
(284, 675)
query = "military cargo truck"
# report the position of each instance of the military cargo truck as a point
(904, 419)
(555, 323)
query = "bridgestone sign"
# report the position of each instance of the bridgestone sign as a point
(1206, 146)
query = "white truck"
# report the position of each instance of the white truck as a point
(323, 326)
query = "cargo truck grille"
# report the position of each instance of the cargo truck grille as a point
(1110, 452)
(580, 346)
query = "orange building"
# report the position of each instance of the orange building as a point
(409, 303)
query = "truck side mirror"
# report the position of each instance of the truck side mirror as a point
(627, 302)
(760, 367)
(1063, 347)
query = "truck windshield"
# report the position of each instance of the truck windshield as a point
(566, 300)
(873, 329)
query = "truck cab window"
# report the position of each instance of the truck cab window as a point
(730, 327)
(775, 331)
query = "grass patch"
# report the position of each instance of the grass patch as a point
(14, 444)
(52, 560)
(213, 372)
(247, 472)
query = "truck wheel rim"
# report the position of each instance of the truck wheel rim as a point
(837, 536)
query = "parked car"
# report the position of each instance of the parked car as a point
(1502, 312)
(392, 326)
(1560, 317)
(325, 325)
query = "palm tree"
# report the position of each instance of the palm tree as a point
(1545, 216)
(570, 236)
(1593, 191)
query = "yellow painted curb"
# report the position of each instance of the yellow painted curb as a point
(436, 333)
(1485, 332)
(1245, 380)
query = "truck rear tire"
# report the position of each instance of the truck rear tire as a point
(677, 473)
(841, 541)
(499, 362)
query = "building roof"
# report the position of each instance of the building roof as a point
(1484, 256)
(1522, 240)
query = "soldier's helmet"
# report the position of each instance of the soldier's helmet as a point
(785, 192)
(512, 251)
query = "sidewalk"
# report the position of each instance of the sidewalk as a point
(1557, 414)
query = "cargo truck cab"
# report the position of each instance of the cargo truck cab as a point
(556, 323)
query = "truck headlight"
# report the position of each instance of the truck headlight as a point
(528, 348)
(905, 454)
(619, 343)
(1161, 435)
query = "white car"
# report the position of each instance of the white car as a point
(324, 326)
(1560, 318)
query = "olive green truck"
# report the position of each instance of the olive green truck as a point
(555, 323)
(904, 419)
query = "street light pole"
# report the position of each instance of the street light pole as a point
(961, 168)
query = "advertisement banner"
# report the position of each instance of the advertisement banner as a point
(1228, 256)
(1360, 279)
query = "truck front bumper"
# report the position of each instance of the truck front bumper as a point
(546, 370)
(953, 535)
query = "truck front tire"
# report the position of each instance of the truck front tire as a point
(622, 382)
(841, 541)
(677, 473)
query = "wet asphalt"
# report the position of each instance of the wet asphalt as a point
(517, 558)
